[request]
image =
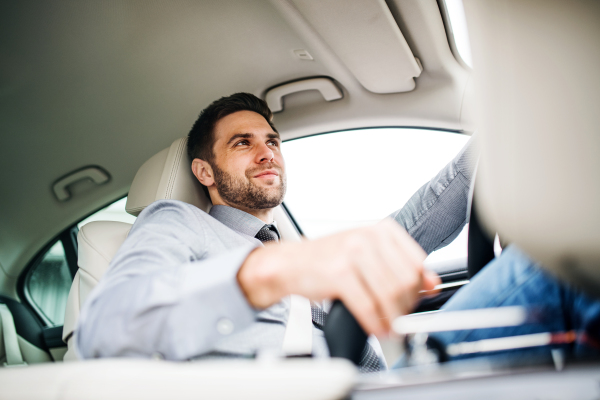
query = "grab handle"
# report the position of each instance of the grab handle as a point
(325, 86)
(95, 174)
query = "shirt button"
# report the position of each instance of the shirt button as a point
(224, 326)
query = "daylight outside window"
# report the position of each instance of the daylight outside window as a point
(349, 179)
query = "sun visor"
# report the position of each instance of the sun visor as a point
(365, 37)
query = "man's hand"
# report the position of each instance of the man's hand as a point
(376, 271)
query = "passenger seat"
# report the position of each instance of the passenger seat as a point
(21, 335)
(10, 351)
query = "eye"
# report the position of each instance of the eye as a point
(273, 143)
(242, 143)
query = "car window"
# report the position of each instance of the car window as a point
(48, 284)
(343, 180)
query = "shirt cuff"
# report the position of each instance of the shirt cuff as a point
(212, 300)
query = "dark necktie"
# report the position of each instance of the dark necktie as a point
(268, 233)
(369, 361)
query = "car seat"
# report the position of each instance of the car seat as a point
(167, 175)
(537, 88)
(21, 335)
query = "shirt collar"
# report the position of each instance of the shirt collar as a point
(238, 220)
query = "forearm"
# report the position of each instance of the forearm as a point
(437, 212)
(262, 278)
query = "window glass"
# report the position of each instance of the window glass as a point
(114, 212)
(48, 285)
(343, 180)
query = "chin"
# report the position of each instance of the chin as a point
(271, 184)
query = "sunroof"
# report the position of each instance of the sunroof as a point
(458, 23)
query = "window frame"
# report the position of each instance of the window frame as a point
(289, 215)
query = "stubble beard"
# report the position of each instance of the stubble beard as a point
(244, 193)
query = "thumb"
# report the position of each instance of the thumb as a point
(430, 280)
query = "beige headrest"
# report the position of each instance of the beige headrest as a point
(167, 175)
(536, 70)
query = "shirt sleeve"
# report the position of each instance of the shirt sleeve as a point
(162, 295)
(436, 214)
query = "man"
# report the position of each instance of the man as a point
(186, 284)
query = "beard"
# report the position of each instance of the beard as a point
(244, 193)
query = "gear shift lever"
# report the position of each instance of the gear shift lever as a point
(344, 336)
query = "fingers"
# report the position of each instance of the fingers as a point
(404, 241)
(380, 283)
(392, 276)
(360, 302)
(430, 280)
(404, 258)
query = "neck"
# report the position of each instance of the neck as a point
(265, 215)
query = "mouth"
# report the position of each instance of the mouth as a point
(269, 173)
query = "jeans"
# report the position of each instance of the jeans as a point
(513, 279)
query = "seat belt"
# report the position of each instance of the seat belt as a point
(297, 340)
(11, 343)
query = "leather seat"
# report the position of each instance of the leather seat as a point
(97, 243)
(537, 89)
(167, 175)
(21, 335)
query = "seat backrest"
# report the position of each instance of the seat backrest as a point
(97, 243)
(537, 87)
(166, 175)
(21, 335)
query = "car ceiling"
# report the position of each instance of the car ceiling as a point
(111, 83)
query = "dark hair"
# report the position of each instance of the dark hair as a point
(201, 137)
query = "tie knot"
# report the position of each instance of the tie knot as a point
(267, 233)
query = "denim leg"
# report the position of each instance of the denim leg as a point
(513, 279)
(585, 318)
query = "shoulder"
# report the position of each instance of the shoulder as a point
(173, 213)
(175, 206)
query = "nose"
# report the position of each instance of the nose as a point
(264, 154)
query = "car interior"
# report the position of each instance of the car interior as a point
(97, 100)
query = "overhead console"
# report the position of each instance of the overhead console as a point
(365, 37)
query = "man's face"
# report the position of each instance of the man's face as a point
(249, 170)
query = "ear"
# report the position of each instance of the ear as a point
(203, 172)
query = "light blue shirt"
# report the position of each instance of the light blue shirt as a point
(171, 289)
